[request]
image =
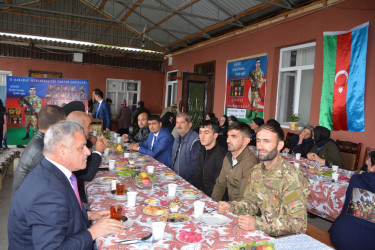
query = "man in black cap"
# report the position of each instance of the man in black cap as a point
(255, 124)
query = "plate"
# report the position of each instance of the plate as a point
(184, 236)
(105, 179)
(216, 220)
(189, 193)
(152, 201)
(188, 196)
(174, 218)
(154, 210)
(128, 223)
(117, 197)
(169, 176)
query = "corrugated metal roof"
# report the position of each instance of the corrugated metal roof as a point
(159, 25)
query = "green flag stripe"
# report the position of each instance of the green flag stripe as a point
(329, 69)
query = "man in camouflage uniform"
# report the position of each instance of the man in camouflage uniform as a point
(258, 75)
(31, 115)
(276, 197)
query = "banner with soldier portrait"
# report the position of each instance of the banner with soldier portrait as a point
(246, 87)
(27, 95)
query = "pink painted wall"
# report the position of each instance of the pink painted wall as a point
(151, 82)
(302, 29)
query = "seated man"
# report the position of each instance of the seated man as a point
(355, 226)
(237, 164)
(159, 142)
(143, 131)
(210, 159)
(186, 147)
(46, 212)
(33, 154)
(94, 160)
(275, 199)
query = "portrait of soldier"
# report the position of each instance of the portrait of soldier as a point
(32, 104)
(256, 79)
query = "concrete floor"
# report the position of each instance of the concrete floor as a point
(5, 199)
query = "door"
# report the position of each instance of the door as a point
(197, 96)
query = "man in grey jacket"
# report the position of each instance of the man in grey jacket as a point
(185, 151)
(33, 153)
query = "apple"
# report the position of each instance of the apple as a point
(146, 181)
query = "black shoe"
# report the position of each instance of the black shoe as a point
(26, 137)
(20, 146)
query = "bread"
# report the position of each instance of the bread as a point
(155, 210)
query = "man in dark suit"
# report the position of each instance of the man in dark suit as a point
(159, 142)
(94, 160)
(102, 109)
(46, 212)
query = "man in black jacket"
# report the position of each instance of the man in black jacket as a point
(33, 153)
(210, 159)
(94, 159)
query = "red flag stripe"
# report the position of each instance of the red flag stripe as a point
(339, 118)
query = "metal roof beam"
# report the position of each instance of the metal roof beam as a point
(285, 5)
(170, 10)
(226, 12)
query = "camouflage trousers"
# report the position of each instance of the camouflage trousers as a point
(31, 121)
(254, 100)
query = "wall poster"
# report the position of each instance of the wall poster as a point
(27, 95)
(246, 87)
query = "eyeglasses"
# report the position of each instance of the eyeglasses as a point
(32, 89)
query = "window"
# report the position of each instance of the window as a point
(296, 72)
(3, 84)
(171, 89)
(118, 89)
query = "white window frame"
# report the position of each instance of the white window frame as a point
(121, 89)
(3, 82)
(297, 87)
(173, 85)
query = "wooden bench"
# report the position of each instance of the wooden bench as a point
(318, 234)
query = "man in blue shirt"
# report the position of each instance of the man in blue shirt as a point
(159, 142)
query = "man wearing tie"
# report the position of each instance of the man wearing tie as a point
(46, 212)
(159, 142)
(102, 110)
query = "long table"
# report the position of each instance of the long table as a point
(326, 198)
(213, 237)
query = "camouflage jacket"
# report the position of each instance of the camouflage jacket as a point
(277, 198)
(34, 101)
(258, 74)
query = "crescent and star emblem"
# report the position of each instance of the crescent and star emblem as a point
(342, 82)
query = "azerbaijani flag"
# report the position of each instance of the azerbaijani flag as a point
(342, 105)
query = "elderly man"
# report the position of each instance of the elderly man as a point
(33, 153)
(186, 148)
(159, 142)
(276, 197)
(46, 212)
(210, 159)
(237, 164)
(142, 133)
(124, 118)
(94, 160)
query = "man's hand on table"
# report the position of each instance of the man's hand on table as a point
(101, 144)
(125, 137)
(97, 215)
(223, 207)
(134, 146)
(246, 222)
(106, 226)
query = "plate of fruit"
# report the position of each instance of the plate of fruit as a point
(143, 180)
(174, 218)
